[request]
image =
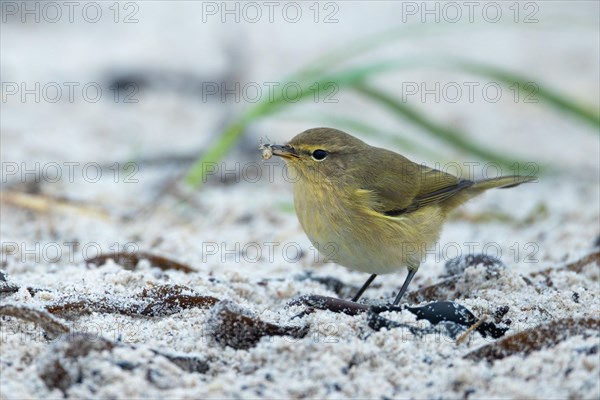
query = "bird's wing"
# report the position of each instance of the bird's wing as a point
(399, 186)
(437, 186)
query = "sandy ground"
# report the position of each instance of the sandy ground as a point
(114, 329)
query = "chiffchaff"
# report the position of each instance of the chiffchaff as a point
(373, 210)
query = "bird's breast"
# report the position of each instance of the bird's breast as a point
(356, 236)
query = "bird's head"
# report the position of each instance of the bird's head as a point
(321, 154)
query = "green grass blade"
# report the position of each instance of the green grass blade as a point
(511, 80)
(535, 90)
(447, 135)
(200, 169)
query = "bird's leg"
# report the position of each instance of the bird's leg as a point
(364, 287)
(409, 277)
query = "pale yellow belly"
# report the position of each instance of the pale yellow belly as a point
(363, 240)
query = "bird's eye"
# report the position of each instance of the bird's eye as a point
(319, 155)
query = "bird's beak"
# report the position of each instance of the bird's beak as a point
(285, 151)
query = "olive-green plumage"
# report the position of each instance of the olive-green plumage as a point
(376, 210)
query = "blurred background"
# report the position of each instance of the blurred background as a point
(141, 121)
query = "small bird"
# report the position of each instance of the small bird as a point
(370, 209)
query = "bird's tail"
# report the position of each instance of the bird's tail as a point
(502, 182)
